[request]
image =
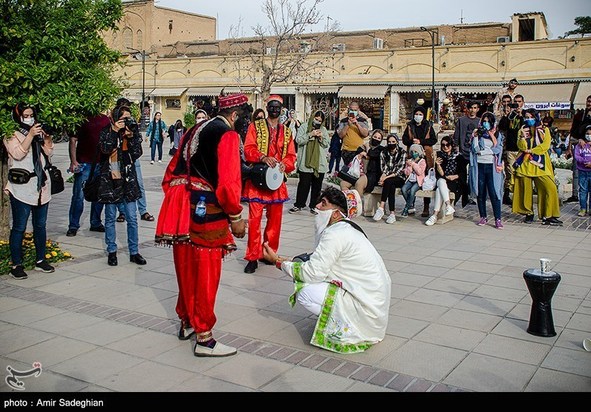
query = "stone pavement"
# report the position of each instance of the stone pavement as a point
(459, 313)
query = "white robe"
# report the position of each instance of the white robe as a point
(355, 309)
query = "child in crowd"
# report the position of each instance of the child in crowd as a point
(415, 172)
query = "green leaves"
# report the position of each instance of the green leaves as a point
(52, 55)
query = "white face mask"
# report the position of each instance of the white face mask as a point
(418, 118)
(29, 121)
(321, 222)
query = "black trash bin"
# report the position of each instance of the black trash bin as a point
(541, 288)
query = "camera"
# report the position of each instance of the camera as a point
(513, 105)
(131, 124)
(47, 129)
(481, 131)
(316, 126)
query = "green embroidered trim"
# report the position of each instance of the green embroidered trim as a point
(298, 284)
(322, 338)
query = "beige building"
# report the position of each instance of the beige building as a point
(387, 71)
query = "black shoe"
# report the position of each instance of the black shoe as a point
(138, 259)
(45, 267)
(112, 259)
(572, 199)
(71, 232)
(265, 261)
(507, 200)
(18, 272)
(528, 219)
(551, 221)
(251, 266)
(185, 331)
(100, 228)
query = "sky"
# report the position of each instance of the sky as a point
(355, 15)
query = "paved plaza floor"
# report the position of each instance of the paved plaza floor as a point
(458, 317)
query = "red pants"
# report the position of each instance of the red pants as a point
(198, 272)
(254, 249)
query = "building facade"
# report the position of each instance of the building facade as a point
(388, 72)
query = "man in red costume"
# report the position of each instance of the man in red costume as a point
(207, 165)
(270, 142)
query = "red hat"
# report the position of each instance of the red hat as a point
(231, 100)
(275, 97)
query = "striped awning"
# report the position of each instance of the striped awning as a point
(556, 96)
(204, 91)
(168, 92)
(583, 91)
(364, 91)
(319, 89)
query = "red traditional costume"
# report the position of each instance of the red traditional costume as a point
(261, 140)
(200, 243)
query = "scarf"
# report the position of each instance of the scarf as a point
(312, 159)
(535, 159)
(36, 151)
(450, 163)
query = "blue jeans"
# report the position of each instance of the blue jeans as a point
(20, 217)
(486, 183)
(335, 160)
(142, 206)
(132, 230)
(153, 147)
(77, 202)
(409, 192)
(584, 188)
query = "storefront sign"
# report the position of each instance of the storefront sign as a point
(548, 106)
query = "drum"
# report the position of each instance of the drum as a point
(266, 177)
(354, 204)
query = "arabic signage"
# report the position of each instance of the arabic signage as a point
(548, 106)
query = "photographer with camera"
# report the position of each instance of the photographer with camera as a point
(353, 129)
(312, 151)
(510, 125)
(28, 186)
(120, 145)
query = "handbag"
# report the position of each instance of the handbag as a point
(19, 176)
(351, 172)
(430, 182)
(55, 176)
(90, 187)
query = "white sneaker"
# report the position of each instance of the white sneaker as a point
(379, 214)
(218, 350)
(151, 162)
(432, 220)
(391, 219)
(449, 210)
(412, 211)
(159, 161)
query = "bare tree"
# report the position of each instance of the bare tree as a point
(282, 51)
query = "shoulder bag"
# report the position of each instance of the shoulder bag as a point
(55, 176)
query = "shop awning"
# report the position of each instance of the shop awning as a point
(135, 94)
(580, 99)
(364, 91)
(547, 96)
(283, 90)
(463, 90)
(319, 89)
(172, 92)
(204, 91)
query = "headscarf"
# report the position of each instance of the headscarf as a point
(312, 159)
(17, 114)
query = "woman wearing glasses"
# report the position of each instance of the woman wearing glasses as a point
(447, 168)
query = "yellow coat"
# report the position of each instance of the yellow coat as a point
(529, 169)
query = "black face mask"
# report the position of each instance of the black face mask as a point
(274, 110)
(375, 142)
(392, 146)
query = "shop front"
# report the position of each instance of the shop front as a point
(372, 99)
(168, 101)
(323, 98)
(554, 100)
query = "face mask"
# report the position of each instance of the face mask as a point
(530, 122)
(415, 155)
(588, 137)
(316, 123)
(486, 125)
(375, 142)
(418, 118)
(29, 121)
(321, 221)
(392, 146)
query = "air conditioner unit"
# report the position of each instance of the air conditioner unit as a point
(378, 43)
(338, 47)
(270, 50)
(503, 39)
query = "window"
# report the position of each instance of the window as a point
(140, 40)
(127, 37)
(173, 103)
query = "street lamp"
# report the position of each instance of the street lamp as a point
(143, 57)
(432, 34)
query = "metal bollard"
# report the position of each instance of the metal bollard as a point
(542, 286)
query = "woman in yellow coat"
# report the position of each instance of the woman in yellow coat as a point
(533, 166)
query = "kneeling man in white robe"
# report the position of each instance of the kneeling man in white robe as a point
(344, 282)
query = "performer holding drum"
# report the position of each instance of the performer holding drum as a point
(270, 143)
